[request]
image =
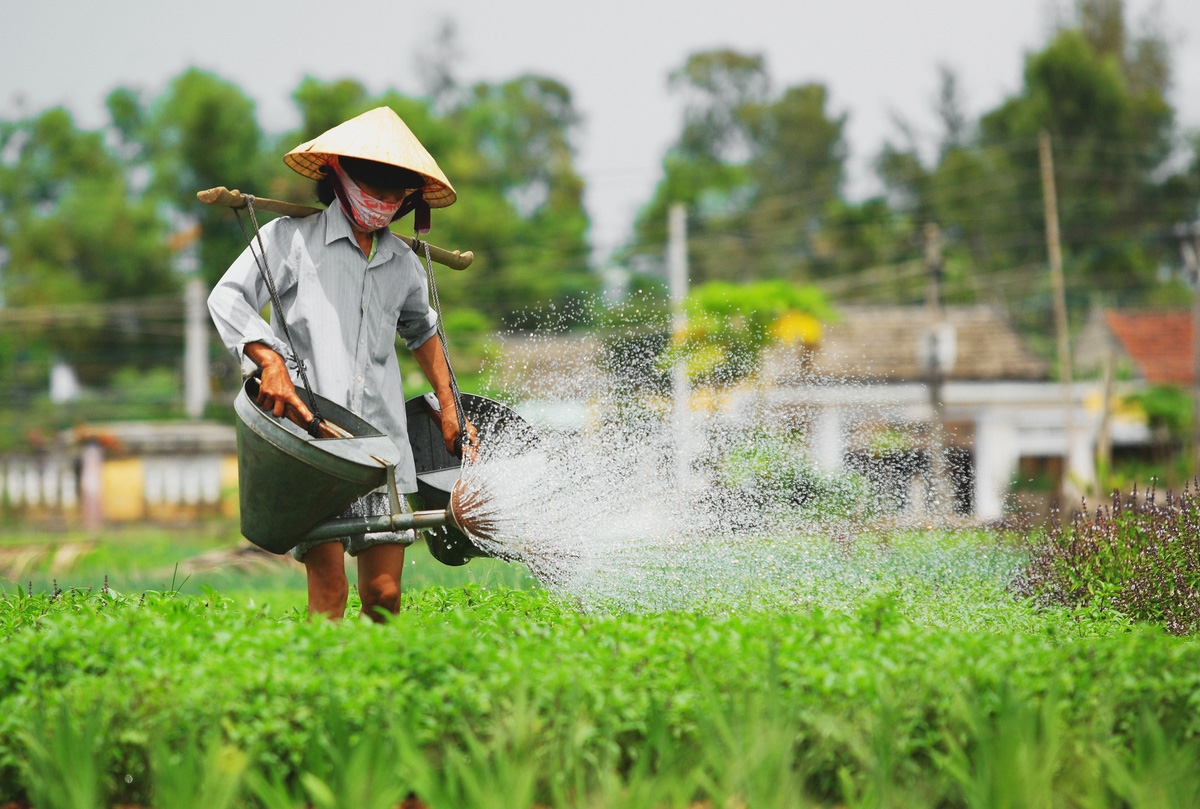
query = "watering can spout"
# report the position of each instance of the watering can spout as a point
(277, 459)
(466, 513)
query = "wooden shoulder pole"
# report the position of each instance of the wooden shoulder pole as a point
(236, 199)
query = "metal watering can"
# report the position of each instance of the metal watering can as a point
(294, 486)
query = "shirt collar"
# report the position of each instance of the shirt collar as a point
(337, 226)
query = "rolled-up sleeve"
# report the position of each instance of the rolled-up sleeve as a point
(417, 321)
(241, 294)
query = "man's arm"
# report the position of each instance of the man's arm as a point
(276, 390)
(433, 362)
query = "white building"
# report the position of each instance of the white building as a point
(1004, 417)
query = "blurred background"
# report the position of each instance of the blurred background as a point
(938, 244)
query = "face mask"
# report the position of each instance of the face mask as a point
(370, 213)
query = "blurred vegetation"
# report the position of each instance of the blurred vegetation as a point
(772, 470)
(1136, 556)
(1168, 408)
(762, 170)
(93, 226)
(92, 221)
(728, 326)
(491, 697)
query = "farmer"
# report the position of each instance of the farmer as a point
(348, 285)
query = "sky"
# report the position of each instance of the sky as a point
(879, 58)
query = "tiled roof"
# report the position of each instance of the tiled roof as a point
(1159, 343)
(884, 342)
(867, 342)
(157, 437)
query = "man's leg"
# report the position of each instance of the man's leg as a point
(327, 585)
(379, 571)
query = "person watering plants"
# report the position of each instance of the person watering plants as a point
(347, 286)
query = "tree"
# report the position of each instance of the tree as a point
(74, 234)
(1101, 93)
(72, 230)
(201, 133)
(508, 149)
(707, 168)
(756, 171)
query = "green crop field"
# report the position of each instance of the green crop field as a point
(899, 672)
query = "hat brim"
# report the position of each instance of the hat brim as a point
(377, 135)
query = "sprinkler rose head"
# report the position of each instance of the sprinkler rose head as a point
(471, 511)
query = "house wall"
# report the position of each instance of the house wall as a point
(166, 488)
(1010, 420)
(40, 484)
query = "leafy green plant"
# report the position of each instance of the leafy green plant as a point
(63, 765)
(345, 769)
(497, 697)
(1136, 557)
(774, 469)
(197, 772)
(729, 325)
(1016, 755)
(1167, 407)
(1157, 772)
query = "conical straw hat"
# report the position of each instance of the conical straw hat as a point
(377, 135)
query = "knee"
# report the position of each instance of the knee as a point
(326, 573)
(332, 587)
(380, 594)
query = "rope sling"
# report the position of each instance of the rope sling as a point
(420, 248)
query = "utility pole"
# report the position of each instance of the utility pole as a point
(4, 254)
(195, 348)
(1054, 252)
(935, 360)
(677, 285)
(1189, 248)
(195, 312)
(677, 266)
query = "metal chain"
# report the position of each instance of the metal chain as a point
(441, 331)
(264, 271)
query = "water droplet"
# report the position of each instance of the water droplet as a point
(603, 509)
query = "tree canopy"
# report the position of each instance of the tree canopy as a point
(762, 172)
(91, 219)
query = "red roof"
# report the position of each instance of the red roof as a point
(1160, 344)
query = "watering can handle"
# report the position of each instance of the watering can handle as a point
(317, 427)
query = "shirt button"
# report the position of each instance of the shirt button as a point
(360, 379)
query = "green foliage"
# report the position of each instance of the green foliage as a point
(520, 199)
(757, 172)
(519, 698)
(1101, 94)
(62, 760)
(1136, 558)
(761, 173)
(773, 470)
(1167, 407)
(67, 219)
(196, 773)
(202, 133)
(729, 325)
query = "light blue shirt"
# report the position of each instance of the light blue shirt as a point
(343, 311)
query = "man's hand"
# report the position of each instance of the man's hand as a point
(450, 433)
(430, 357)
(276, 391)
